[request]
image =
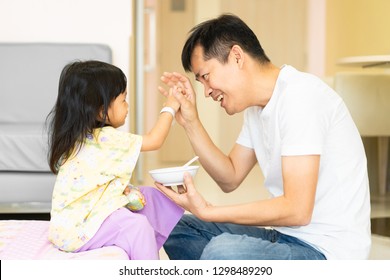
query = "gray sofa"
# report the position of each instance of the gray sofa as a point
(29, 74)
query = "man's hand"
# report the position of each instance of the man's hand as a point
(187, 197)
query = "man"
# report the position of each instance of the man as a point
(304, 139)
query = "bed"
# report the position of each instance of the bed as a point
(27, 240)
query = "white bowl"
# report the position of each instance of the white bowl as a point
(172, 176)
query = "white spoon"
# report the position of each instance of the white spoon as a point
(191, 161)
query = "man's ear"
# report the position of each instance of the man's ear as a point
(238, 54)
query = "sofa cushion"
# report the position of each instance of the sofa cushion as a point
(29, 75)
(26, 191)
(23, 147)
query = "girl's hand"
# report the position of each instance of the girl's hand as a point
(190, 199)
(136, 198)
(171, 100)
(172, 79)
(127, 190)
(184, 94)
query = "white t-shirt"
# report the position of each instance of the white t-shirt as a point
(306, 117)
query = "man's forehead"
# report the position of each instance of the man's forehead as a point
(197, 60)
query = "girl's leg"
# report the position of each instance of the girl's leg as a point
(130, 231)
(162, 213)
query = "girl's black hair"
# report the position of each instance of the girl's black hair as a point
(217, 37)
(85, 92)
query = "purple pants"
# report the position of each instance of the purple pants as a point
(141, 234)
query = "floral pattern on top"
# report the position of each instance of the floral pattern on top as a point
(90, 184)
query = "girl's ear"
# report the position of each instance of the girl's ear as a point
(101, 117)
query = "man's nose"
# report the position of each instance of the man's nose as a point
(207, 91)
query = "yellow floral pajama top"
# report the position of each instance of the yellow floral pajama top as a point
(90, 185)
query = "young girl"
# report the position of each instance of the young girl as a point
(94, 162)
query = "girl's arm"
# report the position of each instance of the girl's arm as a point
(154, 139)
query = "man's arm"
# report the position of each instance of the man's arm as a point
(293, 208)
(228, 171)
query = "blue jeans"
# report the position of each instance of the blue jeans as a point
(193, 239)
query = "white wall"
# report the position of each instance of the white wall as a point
(70, 21)
(316, 33)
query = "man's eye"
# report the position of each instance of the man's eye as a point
(205, 76)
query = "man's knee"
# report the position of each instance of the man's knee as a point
(218, 248)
